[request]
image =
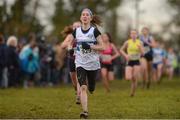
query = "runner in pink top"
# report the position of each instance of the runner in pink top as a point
(106, 57)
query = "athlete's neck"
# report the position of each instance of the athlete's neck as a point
(86, 26)
(145, 35)
(134, 39)
(107, 43)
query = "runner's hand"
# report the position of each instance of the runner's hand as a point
(85, 46)
(127, 57)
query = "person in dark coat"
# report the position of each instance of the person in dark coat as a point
(2, 61)
(12, 62)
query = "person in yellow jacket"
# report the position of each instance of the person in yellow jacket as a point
(132, 50)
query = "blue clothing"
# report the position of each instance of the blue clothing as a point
(147, 49)
(155, 65)
(158, 55)
(145, 40)
(29, 60)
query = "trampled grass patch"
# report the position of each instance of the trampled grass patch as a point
(160, 101)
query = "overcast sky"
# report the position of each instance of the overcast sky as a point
(154, 14)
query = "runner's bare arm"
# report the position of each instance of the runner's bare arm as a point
(115, 51)
(124, 54)
(100, 46)
(67, 41)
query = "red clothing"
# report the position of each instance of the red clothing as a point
(106, 55)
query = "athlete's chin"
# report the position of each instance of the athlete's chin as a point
(85, 22)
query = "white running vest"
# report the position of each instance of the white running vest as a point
(87, 59)
(158, 55)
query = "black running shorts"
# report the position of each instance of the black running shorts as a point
(149, 56)
(71, 64)
(133, 63)
(87, 77)
(109, 67)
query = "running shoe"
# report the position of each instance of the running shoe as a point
(78, 101)
(84, 115)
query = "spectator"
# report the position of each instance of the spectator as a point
(12, 61)
(29, 57)
(3, 65)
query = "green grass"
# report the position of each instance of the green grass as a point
(161, 101)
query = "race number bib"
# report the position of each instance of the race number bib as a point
(83, 51)
(157, 59)
(146, 49)
(135, 57)
(106, 58)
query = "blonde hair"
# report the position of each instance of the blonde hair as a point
(12, 41)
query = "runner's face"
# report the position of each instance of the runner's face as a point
(105, 38)
(170, 50)
(133, 35)
(85, 17)
(145, 31)
(33, 43)
(162, 46)
(156, 44)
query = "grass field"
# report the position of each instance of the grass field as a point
(161, 101)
